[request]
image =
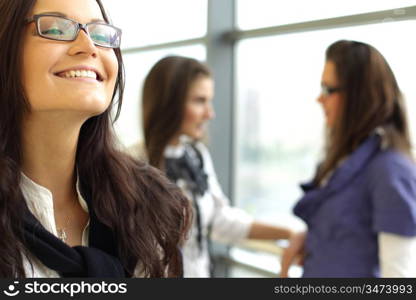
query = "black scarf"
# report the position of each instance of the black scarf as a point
(190, 168)
(99, 259)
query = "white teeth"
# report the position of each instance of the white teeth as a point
(80, 73)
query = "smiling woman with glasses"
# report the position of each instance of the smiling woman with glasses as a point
(71, 204)
(360, 207)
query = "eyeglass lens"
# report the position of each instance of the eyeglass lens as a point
(58, 28)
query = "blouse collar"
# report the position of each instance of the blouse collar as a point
(176, 151)
(40, 201)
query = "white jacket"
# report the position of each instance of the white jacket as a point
(229, 224)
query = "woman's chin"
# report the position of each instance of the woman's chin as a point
(93, 108)
(195, 135)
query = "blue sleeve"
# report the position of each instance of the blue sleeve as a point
(393, 195)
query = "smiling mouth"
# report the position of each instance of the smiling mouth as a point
(86, 74)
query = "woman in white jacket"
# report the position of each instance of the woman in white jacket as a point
(177, 105)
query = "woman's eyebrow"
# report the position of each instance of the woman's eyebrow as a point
(59, 14)
(56, 13)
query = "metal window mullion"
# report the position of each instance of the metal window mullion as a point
(392, 15)
(220, 57)
(181, 43)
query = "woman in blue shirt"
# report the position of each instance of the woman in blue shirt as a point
(360, 207)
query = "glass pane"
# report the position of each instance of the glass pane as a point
(279, 123)
(158, 21)
(128, 126)
(262, 13)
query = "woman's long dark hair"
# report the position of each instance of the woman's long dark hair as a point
(165, 92)
(371, 99)
(149, 216)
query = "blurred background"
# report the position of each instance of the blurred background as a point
(267, 57)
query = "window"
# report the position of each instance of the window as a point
(158, 21)
(149, 29)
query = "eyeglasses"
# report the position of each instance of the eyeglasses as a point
(328, 90)
(59, 28)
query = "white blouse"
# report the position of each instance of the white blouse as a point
(229, 224)
(40, 203)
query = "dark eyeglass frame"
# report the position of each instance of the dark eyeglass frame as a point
(329, 90)
(79, 27)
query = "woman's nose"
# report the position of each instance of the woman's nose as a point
(83, 44)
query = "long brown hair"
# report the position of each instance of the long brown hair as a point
(164, 97)
(149, 216)
(372, 99)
